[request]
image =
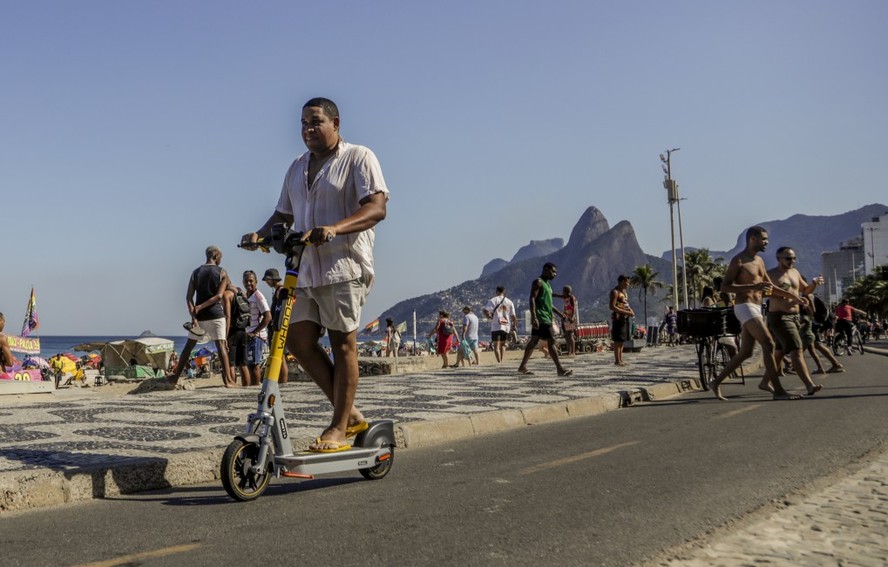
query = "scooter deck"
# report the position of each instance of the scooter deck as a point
(309, 463)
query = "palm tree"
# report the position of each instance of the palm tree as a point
(701, 268)
(869, 294)
(644, 277)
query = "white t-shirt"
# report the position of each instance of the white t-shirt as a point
(392, 335)
(470, 322)
(258, 306)
(505, 311)
(350, 175)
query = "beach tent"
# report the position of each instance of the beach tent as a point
(149, 354)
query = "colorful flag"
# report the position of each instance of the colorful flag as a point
(372, 326)
(32, 321)
(402, 327)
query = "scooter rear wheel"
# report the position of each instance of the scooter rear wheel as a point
(379, 470)
(239, 482)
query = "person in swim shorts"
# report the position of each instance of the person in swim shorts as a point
(784, 318)
(747, 278)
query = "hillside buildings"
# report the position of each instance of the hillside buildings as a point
(875, 243)
(841, 269)
(855, 258)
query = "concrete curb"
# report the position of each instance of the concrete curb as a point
(875, 350)
(23, 490)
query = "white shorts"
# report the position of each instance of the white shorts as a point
(214, 328)
(747, 311)
(336, 306)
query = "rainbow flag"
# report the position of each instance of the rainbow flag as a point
(32, 321)
(372, 326)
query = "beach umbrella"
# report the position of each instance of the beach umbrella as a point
(40, 362)
(204, 352)
(64, 364)
(93, 360)
(71, 357)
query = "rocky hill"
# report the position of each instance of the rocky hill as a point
(535, 249)
(596, 253)
(591, 260)
(809, 236)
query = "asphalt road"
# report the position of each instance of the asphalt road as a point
(614, 489)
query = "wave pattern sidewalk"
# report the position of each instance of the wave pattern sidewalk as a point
(60, 434)
(63, 450)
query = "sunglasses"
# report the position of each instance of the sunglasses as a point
(790, 258)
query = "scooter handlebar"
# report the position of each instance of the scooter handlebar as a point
(281, 240)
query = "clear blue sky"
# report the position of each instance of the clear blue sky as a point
(134, 134)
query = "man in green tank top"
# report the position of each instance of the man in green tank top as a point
(541, 319)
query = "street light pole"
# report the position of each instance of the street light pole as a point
(672, 196)
(684, 263)
(872, 253)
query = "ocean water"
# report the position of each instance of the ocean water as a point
(55, 344)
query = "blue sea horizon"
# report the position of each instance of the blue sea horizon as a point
(51, 345)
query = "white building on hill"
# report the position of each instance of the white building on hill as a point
(875, 242)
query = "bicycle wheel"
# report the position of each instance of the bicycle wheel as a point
(704, 362)
(839, 346)
(720, 360)
(858, 340)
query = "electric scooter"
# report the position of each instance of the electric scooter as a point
(264, 449)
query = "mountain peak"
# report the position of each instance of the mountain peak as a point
(591, 225)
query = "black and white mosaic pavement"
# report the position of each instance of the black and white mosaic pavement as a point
(71, 434)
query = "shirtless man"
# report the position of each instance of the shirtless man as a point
(783, 315)
(747, 278)
(6, 357)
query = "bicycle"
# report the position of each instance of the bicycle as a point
(706, 328)
(712, 358)
(840, 346)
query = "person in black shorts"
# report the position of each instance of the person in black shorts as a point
(620, 314)
(541, 319)
(237, 338)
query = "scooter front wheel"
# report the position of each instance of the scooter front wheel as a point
(240, 482)
(380, 469)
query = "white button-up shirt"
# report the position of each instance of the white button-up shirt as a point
(353, 173)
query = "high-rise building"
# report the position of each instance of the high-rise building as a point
(841, 269)
(875, 242)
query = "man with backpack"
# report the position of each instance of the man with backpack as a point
(501, 312)
(237, 315)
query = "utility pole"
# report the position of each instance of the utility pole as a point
(872, 252)
(672, 196)
(681, 241)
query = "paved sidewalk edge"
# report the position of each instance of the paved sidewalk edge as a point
(27, 490)
(875, 350)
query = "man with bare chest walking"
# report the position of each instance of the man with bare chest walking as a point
(747, 278)
(783, 315)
